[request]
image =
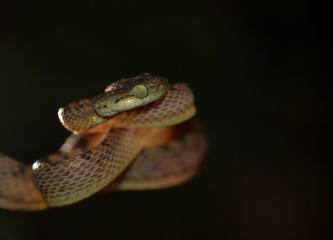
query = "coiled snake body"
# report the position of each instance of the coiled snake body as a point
(135, 136)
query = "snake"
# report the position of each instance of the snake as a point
(139, 134)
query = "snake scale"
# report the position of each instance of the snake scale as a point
(138, 135)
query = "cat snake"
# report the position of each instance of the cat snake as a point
(138, 135)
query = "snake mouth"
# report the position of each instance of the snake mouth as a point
(112, 106)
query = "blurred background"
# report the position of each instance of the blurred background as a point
(259, 70)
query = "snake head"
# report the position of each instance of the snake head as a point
(130, 93)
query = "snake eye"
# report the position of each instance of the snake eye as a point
(140, 91)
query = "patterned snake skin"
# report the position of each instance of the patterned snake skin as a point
(146, 143)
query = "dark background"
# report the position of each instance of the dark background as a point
(259, 70)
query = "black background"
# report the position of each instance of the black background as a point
(260, 73)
